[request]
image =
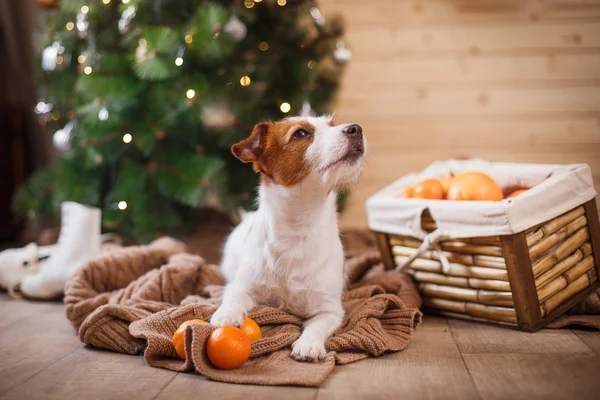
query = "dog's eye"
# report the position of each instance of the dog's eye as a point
(301, 133)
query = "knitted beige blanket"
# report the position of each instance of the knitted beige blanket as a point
(133, 299)
(586, 314)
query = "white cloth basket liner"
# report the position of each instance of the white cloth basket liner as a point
(555, 189)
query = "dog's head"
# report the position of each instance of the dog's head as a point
(288, 151)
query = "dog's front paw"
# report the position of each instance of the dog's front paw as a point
(228, 317)
(306, 349)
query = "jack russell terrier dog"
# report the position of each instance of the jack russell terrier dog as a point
(288, 254)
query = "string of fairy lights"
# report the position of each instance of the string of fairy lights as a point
(55, 55)
(245, 80)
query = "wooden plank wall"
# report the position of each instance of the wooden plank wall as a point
(503, 80)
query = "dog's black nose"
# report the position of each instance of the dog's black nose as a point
(354, 131)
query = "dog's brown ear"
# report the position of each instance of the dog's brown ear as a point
(250, 149)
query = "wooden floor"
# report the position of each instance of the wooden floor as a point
(42, 358)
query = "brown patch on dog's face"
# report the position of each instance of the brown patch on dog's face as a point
(277, 150)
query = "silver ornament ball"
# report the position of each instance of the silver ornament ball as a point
(62, 138)
(236, 29)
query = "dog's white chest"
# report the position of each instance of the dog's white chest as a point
(293, 264)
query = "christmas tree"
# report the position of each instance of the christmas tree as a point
(144, 98)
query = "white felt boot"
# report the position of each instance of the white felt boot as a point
(16, 263)
(79, 241)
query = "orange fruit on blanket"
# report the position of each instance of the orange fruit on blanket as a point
(408, 192)
(516, 193)
(429, 189)
(474, 186)
(179, 336)
(446, 181)
(251, 329)
(228, 347)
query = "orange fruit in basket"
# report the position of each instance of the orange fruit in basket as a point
(179, 336)
(408, 192)
(251, 329)
(446, 181)
(228, 347)
(516, 193)
(474, 186)
(429, 189)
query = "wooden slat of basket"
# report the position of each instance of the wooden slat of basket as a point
(489, 261)
(562, 251)
(492, 312)
(489, 284)
(478, 272)
(420, 264)
(433, 255)
(486, 240)
(450, 245)
(581, 268)
(448, 292)
(409, 251)
(466, 259)
(571, 290)
(461, 247)
(564, 220)
(549, 227)
(570, 244)
(473, 309)
(471, 318)
(534, 228)
(552, 288)
(473, 283)
(562, 281)
(405, 241)
(554, 271)
(534, 237)
(455, 269)
(431, 277)
(555, 238)
(443, 304)
(492, 298)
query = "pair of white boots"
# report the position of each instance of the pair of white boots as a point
(40, 272)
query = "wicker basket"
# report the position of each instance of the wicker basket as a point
(524, 280)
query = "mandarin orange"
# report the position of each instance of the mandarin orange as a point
(429, 189)
(228, 347)
(516, 193)
(408, 192)
(179, 336)
(446, 181)
(474, 186)
(251, 329)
